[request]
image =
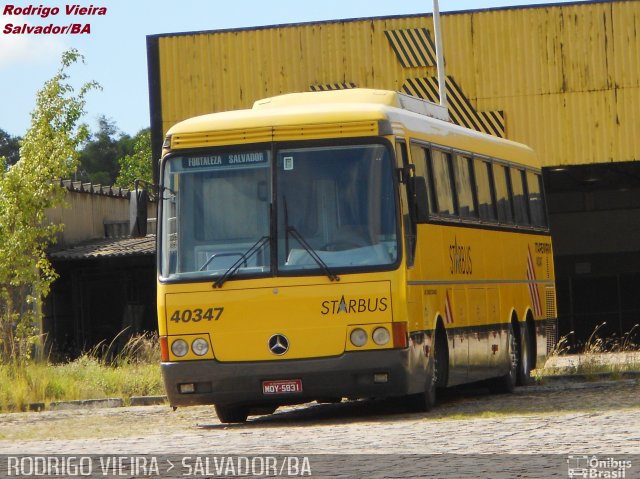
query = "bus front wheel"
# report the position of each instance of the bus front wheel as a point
(436, 375)
(424, 401)
(229, 414)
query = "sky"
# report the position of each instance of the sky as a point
(115, 48)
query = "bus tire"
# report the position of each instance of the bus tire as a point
(441, 355)
(524, 368)
(424, 401)
(229, 414)
(436, 371)
(507, 383)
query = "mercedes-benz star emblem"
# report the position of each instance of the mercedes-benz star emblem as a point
(278, 344)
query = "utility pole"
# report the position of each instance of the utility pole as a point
(442, 86)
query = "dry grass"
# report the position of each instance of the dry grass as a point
(613, 355)
(99, 373)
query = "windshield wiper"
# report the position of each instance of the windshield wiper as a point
(244, 257)
(309, 249)
(290, 230)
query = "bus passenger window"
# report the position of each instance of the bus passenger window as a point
(441, 174)
(536, 203)
(420, 156)
(486, 206)
(503, 195)
(519, 200)
(464, 188)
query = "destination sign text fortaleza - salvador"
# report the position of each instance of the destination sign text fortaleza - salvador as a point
(70, 10)
(233, 159)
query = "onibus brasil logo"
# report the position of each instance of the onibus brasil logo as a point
(594, 467)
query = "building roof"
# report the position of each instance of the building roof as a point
(108, 248)
(96, 189)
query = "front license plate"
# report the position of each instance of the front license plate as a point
(282, 386)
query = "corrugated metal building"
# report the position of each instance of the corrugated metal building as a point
(564, 79)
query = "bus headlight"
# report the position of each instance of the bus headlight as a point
(179, 348)
(381, 336)
(200, 347)
(358, 337)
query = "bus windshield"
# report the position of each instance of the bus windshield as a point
(339, 200)
(333, 208)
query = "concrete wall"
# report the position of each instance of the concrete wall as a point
(94, 213)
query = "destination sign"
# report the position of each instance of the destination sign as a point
(225, 160)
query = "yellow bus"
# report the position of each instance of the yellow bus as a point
(347, 244)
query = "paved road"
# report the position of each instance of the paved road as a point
(566, 419)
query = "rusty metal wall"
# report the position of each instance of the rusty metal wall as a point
(564, 79)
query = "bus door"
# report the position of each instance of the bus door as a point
(414, 294)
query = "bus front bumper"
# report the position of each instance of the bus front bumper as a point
(362, 374)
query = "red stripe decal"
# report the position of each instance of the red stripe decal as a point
(533, 287)
(448, 313)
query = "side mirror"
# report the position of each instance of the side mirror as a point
(138, 200)
(417, 186)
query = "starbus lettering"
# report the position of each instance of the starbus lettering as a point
(460, 258)
(354, 305)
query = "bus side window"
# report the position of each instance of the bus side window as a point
(519, 200)
(441, 176)
(503, 195)
(486, 205)
(536, 202)
(420, 156)
(409, 226)
(464, 187)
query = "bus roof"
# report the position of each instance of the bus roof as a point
(342, 113)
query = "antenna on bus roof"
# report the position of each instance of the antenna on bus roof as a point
(442, 86)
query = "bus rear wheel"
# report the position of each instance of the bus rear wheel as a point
(230, 414)
(507, 383)
(526, 358)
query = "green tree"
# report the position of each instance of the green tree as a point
(98, 159)
(137, 165)
(9, 147)
(49, 151)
